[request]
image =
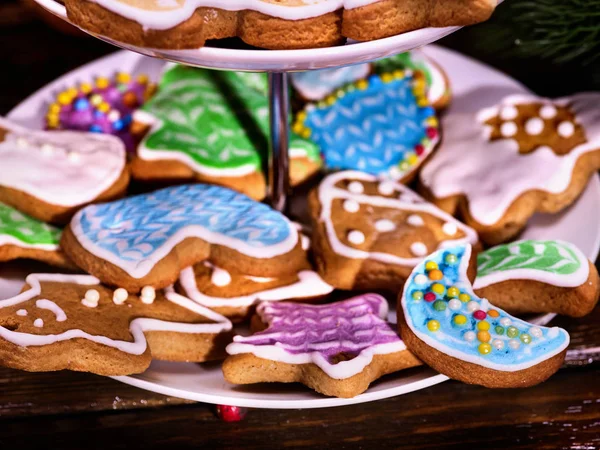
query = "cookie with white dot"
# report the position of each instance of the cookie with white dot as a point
(526, 154)
(535, 276)
(466, 337)
(368, 233)
(234, 295)
(50, 175)
(73, 322)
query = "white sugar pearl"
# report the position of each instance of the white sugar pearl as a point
(498, 344)
(454, 304)
(114, 115)
(505, 321)
(351, 206)
(220, 277)
(385, 225)
(514, 344)
(548, 112)
(356, 237)
(22, 142)
(386, 188)
(74, 157)
(418, 249)
(38, 323)
(450, 228)
(120, 296)
(415, 220)
(509, 112)
(472, 306)
(508, 129)
(92, 295)
(566, 129)
(148, 295)
(47, 149)
(421, 279)
(22, 312)
(469, 336)
(356, 187)
(534, 126)
(536, 332)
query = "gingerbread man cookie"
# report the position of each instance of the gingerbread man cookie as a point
(73, 322)
(213, 126)
(22, 236)
(272, 24)
(369, 233)
(50, 175)
(525, 155)
(148, 239)
(336, 349)
(538, 277)
(446, 325)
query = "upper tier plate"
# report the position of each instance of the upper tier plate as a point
(281, 60)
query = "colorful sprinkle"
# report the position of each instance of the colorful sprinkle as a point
(479, 314)
(429, 297)
(512, 332)
(484, 336)
(438, 288)
(493, 313)
(483, 325)
(431, 265)
(459, 319)
(485, 348)
(453, 292)
(433, 325)
(417, 295)
(464, 298)
(439, 305)
(436, 275)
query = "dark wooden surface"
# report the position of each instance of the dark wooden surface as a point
(68, 410)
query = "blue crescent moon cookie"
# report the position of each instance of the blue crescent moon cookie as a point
(465, 337)
(149, 238)
(383, 125)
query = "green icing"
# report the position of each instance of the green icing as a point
(219, 119)
(548, 256)
(401, 62)
(26, 229)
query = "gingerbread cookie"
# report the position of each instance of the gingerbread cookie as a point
(104, 106)
(212, 127)
(50, 175)
(272, 24)
(369, 233)
(315, 85)
(73, 322)
(526, 155)
(382, 125)
(22, 236)
(336, 349)
(233, 294)
(148, 239)
(446, 325)
(538, 277)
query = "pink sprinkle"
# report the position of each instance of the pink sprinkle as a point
(479, 314)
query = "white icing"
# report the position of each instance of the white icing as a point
(309, 284)
(386, 188)
(495, 174)
(53, 178)
(356, 187)
(137, 327)
(356, 237)
(385, 225)
(148, 295)
(305, 242)
(120, 296)
(408, 201)
(22, 312)
(51, 306)
(566, 129)
(39, 323)
(91, 298)
(450, 228)
(534, 126)
(162, 15)
(509, 112)
(351, 206)
(415, 220)
(575, 279)
(548, 112)
(508, 129)
(418, 249)
(219, 277)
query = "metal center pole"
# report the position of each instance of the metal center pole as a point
(279, 172)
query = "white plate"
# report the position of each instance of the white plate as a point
(281, 60)
(474, 85)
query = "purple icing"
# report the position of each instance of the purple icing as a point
(349, 327)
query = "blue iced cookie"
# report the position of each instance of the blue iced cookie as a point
(465, 337)
(148, 239)
(382, 125)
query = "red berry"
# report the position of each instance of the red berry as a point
(479, 314)
(419, 149)
(431, 133)
(231, 413)
(429, 297)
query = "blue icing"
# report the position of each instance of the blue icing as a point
(130, 231)
(371, 130)
(506, 353)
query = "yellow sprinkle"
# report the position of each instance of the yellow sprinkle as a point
(52, 121)
(464, 298)
(86, 88)
(96, 100)
(102, 82)
(103, 107)
(362, 84)
(142, 79)
(387, 78)
(398, 74)
(321, 104)
(432, 122)
(301, 116)
(330, 100)
(298, 128)
(123, 77)
(54, 108)
(64, 98)
(412, 159)
(340, 93)
(306, 133)
(431, 265)
(422, 102)
(438, 288)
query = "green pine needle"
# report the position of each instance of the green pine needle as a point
(561, 30)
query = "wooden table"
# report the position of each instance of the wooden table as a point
(69, 410)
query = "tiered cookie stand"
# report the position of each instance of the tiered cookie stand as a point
(278, 63)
